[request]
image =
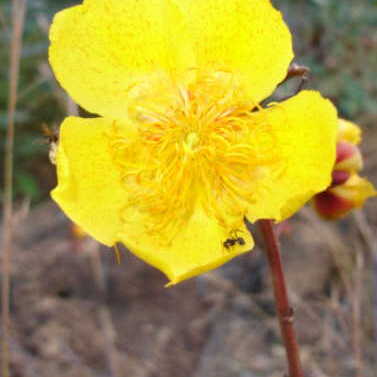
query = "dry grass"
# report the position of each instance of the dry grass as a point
(18, 18)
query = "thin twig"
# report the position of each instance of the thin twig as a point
(18, 17)
(284, 310)
(3, 24)
(357, 296)
(371, 243)
(296, 70)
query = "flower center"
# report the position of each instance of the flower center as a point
(192, 139)
(208, 150)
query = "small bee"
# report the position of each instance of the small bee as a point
(52, 138)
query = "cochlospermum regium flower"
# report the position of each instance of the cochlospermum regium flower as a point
(182, 151)
(347, 190)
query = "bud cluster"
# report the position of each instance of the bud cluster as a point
(347, 190)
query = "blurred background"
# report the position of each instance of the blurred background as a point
(76, 313)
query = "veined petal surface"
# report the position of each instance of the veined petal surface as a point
(197, 248)
(245, 37)
(92, 193)
(303, 130)
(114, 56)
(89, 184)
(109, 54)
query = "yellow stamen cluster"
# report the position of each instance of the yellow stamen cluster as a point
(203, 151)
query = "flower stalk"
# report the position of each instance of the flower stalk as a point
(284, 310)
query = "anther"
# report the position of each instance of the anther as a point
(192, 139)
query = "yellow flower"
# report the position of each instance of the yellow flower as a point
(347, 190)
(177, 158)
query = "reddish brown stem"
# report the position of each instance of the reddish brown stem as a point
(284, 310)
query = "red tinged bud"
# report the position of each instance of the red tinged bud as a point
(347, 190)
(340, 199)
(330, 206)
(344, 150)
(339, 177)
(348, 157)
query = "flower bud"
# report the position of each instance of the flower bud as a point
(337, 201)
(348, 157)
(349, 132)
(347, 190)
(339, 177)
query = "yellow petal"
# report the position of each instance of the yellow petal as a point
(107, 54)
(89, 189)
(197, 248)
(304, 132)
(115, 56)
(349, 131)
(245, 37)
(91, 193)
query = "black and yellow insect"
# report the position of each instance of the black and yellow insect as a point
(52, 138)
